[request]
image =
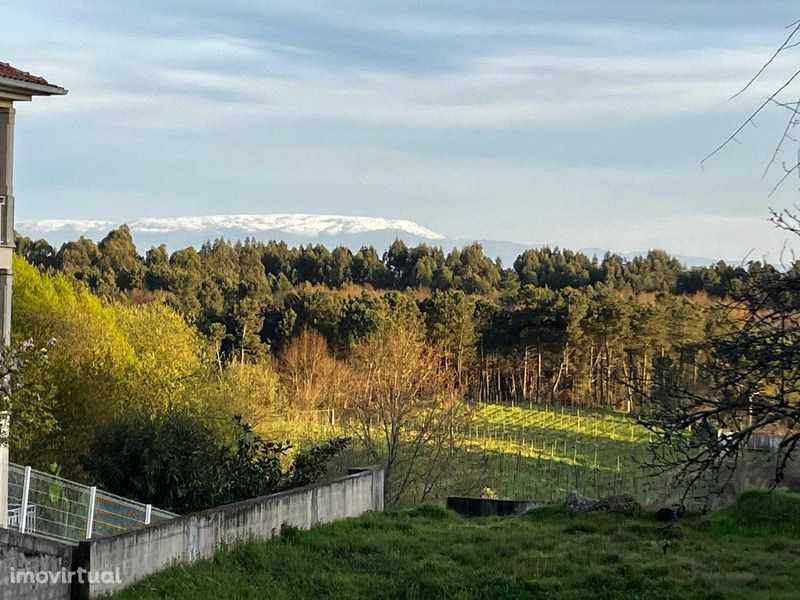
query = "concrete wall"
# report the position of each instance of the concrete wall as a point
(135, 554)
(21, 553)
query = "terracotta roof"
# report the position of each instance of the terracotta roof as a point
(9, 72)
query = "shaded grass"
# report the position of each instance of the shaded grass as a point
(758, 513)
(429, 552)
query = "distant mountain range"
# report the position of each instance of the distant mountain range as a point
(294, 229)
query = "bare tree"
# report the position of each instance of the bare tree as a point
(750, 375)
(311, 373)
(407, 409)
(750, 370)
(778, 99)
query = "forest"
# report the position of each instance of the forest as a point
(555, 326)
(258, 329)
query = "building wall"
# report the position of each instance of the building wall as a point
(27, 553)
(135, 554)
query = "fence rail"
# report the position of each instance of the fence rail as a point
(66, 511)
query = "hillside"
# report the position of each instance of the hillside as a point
(751, 550)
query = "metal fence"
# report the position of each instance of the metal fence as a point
(63, 510)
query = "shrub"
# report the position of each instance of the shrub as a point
(309, 465)
(178, 463)
(171, 461)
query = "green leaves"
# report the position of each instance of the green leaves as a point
(177, 462)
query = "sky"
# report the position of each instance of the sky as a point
(578, 124)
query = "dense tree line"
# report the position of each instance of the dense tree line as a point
(555, 326)
(248, 294)
(114, 266)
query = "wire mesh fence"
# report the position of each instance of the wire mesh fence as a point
(63, 510)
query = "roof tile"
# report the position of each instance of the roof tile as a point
(6, 70)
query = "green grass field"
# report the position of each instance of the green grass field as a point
(749, 551)
(533, 452)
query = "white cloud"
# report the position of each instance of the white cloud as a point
(226, 76)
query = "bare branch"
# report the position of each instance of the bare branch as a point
(764, 67)
(750, 118)
(789, 124)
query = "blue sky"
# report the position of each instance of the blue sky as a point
(571, 123)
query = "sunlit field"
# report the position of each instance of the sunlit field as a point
(524, 452)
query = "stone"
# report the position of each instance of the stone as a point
(623, 504)
(577, 502)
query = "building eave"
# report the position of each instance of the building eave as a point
(15, 89)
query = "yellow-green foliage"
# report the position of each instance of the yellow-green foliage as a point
(106, 357)
(166, 354)
(544, 452)
(250, 389)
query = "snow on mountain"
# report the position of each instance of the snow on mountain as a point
(296, 225)
(46, 226)
(294, 229)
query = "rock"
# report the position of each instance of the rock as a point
(623, 504)
(577, 502)
(488, 494)
(666, 515)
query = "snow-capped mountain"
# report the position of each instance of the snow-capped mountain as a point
(298, 225)
(295, 229)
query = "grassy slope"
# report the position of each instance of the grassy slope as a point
(749, 551)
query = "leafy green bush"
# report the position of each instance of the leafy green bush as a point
(172, 461)
(309, 465)
(178, 463)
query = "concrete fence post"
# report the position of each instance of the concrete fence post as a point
(378, 484)
(23, 509)
(4, 431)
(90, 515)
